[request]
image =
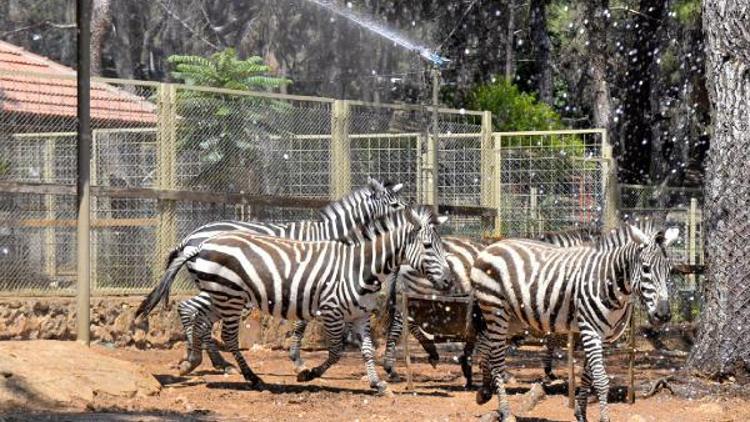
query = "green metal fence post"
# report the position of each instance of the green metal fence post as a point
(340, 172)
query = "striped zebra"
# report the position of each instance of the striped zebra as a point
(291, 279)
(339, 220)
(523, 284)
(461, 255)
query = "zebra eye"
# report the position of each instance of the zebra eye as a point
(646, 269)
(427, 245)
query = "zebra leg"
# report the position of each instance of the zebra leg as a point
(298, 333)
(592, 346)
(362, 326)
(230, 330)
(582, 395)
(496, 318)
(334, 327)
(201, 331)
(466, 360)
(548, 359)
(427, 344)
(484, 393)
(187, 309)
(395, 328)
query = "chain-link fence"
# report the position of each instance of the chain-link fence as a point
(168, 158)
(550, 181)
(681, 208)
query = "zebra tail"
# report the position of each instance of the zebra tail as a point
(161, 291)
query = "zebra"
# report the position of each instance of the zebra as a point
(461, 255)
(293, 279)
(529, 284)
(339, 220)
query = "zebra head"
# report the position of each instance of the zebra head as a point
(424, 250)
(362, 206)
(384, 198)
(650, 269)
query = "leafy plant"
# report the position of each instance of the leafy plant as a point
(227, 131)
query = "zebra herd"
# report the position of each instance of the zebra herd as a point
(333, 269)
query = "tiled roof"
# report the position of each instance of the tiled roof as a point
(51, 96)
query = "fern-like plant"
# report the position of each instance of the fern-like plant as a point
(226, 133)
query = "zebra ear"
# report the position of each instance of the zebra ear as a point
(670, 236)
(638, 235)
(397, 187)
(375, 185)
(414, 218)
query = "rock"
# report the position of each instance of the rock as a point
(532, 398)
(637, 418)
(34, 375)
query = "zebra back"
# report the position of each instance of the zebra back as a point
(340, 220)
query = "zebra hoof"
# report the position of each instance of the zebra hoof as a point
(300, 368)
(483, 395)
(382, 390)
(549, 378)
(185, 367)
(306, 375)
(394, 377)
(434, 360)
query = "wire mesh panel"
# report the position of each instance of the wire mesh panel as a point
(239, 142)
(385, 142)
(550, 181)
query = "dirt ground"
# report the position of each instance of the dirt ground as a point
(343, 395)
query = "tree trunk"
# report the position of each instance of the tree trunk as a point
(597, 23)
(540, 43)
(100, 21)
(510, 65)
(723, 344)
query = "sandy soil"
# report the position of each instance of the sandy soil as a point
(343, 395)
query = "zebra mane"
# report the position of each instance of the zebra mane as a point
(349, 201)
(396, 220)
(621, 235)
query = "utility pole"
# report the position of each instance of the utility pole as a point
(83, 51)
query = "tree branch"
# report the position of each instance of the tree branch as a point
(186, 26)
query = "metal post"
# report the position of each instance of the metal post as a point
(487, 193)
(83, 21)
(631, 356)
(534, 211)
(610, 217)
(405, 339)
(571, 371)
(435, 143)
(166, 163)
(340, 173)
(48, 176)
(498, 184)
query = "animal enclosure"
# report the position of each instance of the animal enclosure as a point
(168, 158)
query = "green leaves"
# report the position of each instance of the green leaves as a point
(514, 110)
(225, 70)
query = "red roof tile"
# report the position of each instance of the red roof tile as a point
(51, 96)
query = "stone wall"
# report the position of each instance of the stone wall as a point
(113, 323)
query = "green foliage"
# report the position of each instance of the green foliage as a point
(225, 70)
(227, 131)
(514, 110)
(688, 12)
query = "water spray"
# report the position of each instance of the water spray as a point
(389, 34)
